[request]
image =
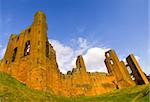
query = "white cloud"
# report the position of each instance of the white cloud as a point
(94, 59)
(64, 55)
(2, 51)
(83, 45)
(67, 55)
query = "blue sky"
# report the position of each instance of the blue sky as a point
(118, 24)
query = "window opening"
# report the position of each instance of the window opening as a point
(29, 30)
(107, 54)
(27, 48)
(111, 61)
(14, 54)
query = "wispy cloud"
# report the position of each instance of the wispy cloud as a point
(66, 55)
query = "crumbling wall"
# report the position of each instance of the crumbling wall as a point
(118, 69)
(137, 72)
(31, 59)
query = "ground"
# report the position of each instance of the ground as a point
(12, 90)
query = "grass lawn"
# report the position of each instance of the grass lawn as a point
(12, 90)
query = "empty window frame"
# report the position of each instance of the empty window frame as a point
(29, 30)
(129, 69)
(14, 54)
(111, 61)
(27, 48)
(107, 54)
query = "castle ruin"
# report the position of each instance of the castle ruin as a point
(31, 59)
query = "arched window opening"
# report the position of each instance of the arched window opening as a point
(79, 64)
(18, 38)
(132, 77)
(14, 54)
(27, 48)
(111, 61)
(107, 54)
(29, 30)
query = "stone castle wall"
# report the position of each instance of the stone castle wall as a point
(31, 59)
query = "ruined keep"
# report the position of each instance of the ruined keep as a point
(31, 59)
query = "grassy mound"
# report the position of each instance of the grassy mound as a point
(12, 90)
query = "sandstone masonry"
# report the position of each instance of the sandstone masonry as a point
(31, 59)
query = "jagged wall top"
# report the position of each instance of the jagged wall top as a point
(31, 59)
(40, 12)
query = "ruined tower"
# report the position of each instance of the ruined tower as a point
(117, 68)
(31, 59)
(137, 72)
(80, 64)
(81, 71)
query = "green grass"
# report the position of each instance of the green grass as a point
(12, 90)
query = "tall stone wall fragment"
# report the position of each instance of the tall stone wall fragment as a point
(137, 72)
